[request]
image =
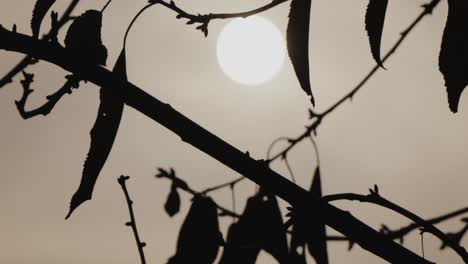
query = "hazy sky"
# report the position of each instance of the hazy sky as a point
(398, 132)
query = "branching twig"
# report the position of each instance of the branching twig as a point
(375, 198)
(52, 99)
(122, 179)
(203, 20)
(181, 184)
(403, 231)
(52, 35)
(318, 117)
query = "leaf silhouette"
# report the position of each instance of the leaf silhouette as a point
(40, 10)
(240, 246)
(84, 38)
(297, 36)
(103, 135)
(199, 237)
(172, 205)
(375, 18)
(453, 57)
(260, 227)
(317, 241)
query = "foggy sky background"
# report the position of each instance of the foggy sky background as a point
(398, 132)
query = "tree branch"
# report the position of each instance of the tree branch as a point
(181, 184)
(122, 181)
(52, 99)
(195, 135)
(318, 117)
(403, 231)
(375, 198)
(52, 35)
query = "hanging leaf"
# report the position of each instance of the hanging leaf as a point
(317, 238)
(298, 242)
(259, 227)
(241, 244)
(297, 36)
(40, 10)
(84, 38)
(103, 135)
(172, 205)
(375, 18)
(453, 57)
(199, 237)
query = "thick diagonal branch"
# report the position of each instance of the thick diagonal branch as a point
(200, 138)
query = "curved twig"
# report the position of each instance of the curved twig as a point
(375, 198)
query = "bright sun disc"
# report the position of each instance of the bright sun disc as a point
(251, 50)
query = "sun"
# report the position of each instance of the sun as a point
(250, 50)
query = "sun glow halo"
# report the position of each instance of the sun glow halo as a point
(250, 51)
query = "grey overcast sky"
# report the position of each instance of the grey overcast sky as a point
(397, 132)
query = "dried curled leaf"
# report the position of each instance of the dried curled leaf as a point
(199, 237)
(103, 135)
(375, 18)
(40, 10)
(172, 205)
(297, 36)
(84, 38)
(453, 57)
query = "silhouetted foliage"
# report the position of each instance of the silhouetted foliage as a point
(453, 58)
(103, 135)
(375, 18)
(260, 227)
(40, 10)
(172, 205)
(199, 238)
(315, 230)
(84, 38)
(297, 36)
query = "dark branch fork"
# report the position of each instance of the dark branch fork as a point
(122, 181)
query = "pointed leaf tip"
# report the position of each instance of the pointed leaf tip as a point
(375, 18)
(453, 57)
(297, 37)
(102, 135)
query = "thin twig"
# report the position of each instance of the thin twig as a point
(375, 198)
(403, 231)
(122, 181)
(181, 184)
(52, 99)
(318, 117)
(28, 60)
